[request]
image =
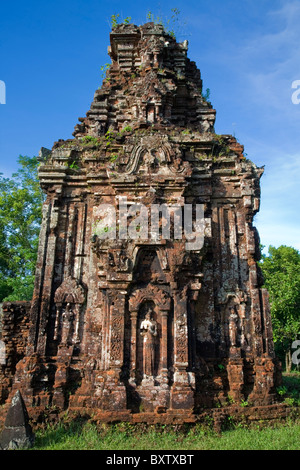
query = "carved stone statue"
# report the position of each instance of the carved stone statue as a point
(148, 330)
(123, 262)
(67, 324)
(233, 319)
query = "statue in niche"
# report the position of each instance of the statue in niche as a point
(123, 261)
(69, 297)
(67, 321)
(148, 331)
(67, 325)
(233, 320)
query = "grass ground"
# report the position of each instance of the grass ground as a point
(118, 437)
(81, 435)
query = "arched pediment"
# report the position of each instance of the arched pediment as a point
(70, 291)
(149, 293)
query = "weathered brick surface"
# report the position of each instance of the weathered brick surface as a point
(14, 333)
(144, 325)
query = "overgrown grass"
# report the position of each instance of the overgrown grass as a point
(86, 436)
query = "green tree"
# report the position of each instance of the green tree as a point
(21, 200)
(281, 270)
(4, 264)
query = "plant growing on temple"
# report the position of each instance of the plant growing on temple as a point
(219, 147)
(104, 68)
(206, 95)
(114, 20)
(171, 25)
(114, 157)
(90, 140)
(20, 214)
(73, 165)
(281, 270)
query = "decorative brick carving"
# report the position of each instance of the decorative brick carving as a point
(151, 292)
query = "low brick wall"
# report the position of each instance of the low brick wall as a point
(14, 327)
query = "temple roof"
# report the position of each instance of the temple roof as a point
(150, 81)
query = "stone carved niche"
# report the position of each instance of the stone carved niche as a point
(69, 298)
(149, 310)
(234, 307)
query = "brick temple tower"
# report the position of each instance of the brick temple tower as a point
(138, 321)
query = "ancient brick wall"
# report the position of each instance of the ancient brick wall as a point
(14, 334)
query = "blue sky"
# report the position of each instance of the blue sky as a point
(248, 53)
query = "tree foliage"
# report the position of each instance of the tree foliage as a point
(20, 218)
(281, 270)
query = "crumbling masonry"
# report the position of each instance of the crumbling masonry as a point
(143, 325)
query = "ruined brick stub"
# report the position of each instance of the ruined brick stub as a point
(143, 324)
(14, 326)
